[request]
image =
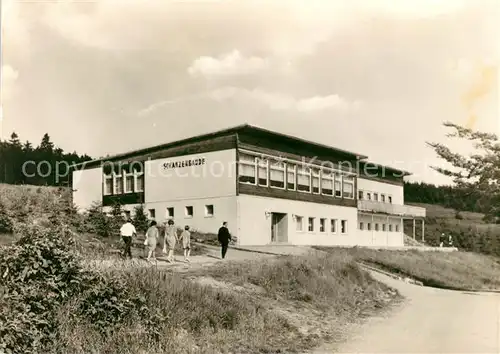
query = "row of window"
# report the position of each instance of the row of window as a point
(124, 182)
(188, 212)
(323, 226)
(294, 176)
(379, 227)
(368, 196)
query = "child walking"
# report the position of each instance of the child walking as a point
(186, 243)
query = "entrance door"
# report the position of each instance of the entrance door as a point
(279, 227)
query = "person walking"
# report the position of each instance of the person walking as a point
(224, 238)
(170, 240)
(186, 243)
(152, 236)
(127, 231)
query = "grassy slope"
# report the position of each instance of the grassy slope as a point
(451, 270)
(290, 304)
(469, 231)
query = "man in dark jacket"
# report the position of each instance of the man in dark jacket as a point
(224, 237)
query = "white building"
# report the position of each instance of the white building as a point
(269, 187)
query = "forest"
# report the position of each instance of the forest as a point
(45, 164)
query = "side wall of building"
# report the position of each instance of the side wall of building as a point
(386, 188)
(87, 187)
(255, 221)
(198, 189)
(380, 230)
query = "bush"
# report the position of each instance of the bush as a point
(97, 222)
(39, 272)
(5, 221)
(140, 219)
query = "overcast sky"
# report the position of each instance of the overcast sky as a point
(375, 77)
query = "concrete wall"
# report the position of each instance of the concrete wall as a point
(211, 183)
(380, 238)
(254, 227)
(216, 177)
(87, 187)
(397, 192)
(224, 209)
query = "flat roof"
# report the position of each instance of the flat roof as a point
(386, 168)
(235, 129)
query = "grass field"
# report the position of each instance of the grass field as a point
(291, 304)
(450, 270)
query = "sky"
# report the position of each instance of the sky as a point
(376, 77)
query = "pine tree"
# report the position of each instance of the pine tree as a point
(140, 219)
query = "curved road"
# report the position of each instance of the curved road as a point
(429, 321)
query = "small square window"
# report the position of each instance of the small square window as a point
(382, 198)
(375, 197)
(368, 196)
(322, 225)
(343, 226)
(152, 213)
(209, 210)
(333, 226)
(170, 213)
(189, 211)
(298, 223)
(310, 226)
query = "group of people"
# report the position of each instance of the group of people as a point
(444, 242)
(171, 237)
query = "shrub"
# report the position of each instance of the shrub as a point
(5, 221)
(140, 219)
(39, 272)
(96, 221)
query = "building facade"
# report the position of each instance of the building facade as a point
(269, 187)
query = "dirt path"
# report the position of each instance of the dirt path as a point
(429, 321)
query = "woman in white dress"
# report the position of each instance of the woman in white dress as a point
(170, 240)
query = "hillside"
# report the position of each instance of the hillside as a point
(469, 230)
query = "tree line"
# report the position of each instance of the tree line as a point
(45, 164)
(454, 197)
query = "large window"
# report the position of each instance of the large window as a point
(277, 174)
(129, 183)
(291, 177)
(338, 185)
(118, 184)
(303, 179)
(315, 180)
(170, 213)
(108, 184)
(326, 183)
(348, 187)
(188, 211)
(139, 182)
(247, 169)
(262, 168)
